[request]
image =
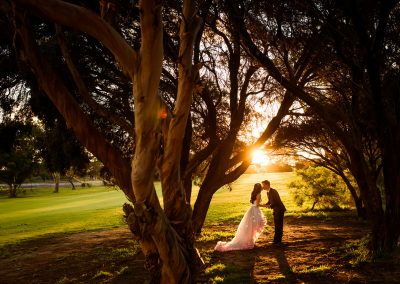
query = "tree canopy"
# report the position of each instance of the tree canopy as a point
(349, 79)
(171, 88)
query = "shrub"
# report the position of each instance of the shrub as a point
(321, 187)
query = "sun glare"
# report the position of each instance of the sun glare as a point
(259, 157)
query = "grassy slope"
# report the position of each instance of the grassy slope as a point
(42, 212)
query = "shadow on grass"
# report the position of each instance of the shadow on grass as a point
(306, 256)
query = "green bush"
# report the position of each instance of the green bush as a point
(321, 188)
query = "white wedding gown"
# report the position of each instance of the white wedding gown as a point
(250, 228)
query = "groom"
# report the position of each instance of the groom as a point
(275, 203)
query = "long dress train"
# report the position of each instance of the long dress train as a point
(250, 228)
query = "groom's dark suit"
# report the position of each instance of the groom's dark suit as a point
(275, 203)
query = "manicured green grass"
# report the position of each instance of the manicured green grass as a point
(40, 212)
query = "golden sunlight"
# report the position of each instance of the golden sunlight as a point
(259, 157)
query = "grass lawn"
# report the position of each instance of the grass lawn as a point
(318, 245)
(40, 212)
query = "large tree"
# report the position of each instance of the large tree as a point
(167, 253)
(229, 86)
(355, 48)
(162, 126)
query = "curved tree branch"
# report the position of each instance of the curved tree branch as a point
(76, 119)
(327, 113)
(88, 22)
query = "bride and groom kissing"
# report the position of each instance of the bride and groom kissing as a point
(253, 221)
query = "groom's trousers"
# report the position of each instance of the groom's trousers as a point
(278, 222)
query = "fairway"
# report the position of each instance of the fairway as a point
(42, 212)
(68, 211)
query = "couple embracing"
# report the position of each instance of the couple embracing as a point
(253, 221)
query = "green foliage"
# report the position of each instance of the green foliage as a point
(18, 154)
(320, 187)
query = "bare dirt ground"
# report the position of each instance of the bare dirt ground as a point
(315, 250)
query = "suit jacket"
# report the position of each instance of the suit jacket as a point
(274, 201)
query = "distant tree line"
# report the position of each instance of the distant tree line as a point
(28, 151)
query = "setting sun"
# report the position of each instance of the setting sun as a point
(259, 157)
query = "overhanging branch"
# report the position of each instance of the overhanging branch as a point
(86, 21)
(84, 130)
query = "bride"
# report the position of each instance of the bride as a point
(250, 227)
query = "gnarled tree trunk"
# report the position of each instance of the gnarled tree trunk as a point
(167, 244)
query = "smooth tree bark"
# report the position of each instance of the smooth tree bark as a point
(164, 240)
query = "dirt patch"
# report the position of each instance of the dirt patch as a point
(310, 254)
(78, 258)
